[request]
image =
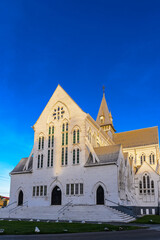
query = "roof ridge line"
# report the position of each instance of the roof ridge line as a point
(137, 129)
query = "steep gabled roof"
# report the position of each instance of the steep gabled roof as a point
(135, 138)
(20, 168)
(103, 111)
(106, 155)
(59, 91)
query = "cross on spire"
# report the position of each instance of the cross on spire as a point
(103, 89)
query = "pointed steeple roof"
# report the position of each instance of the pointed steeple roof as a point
(104, 112)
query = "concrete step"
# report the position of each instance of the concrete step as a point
(74, 213)
(125, 217)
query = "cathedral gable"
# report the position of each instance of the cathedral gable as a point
(59, 107)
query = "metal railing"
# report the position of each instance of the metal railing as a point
(11, 204)
(65, 207)
(19, 207)
(121, 208)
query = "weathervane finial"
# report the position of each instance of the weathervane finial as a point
(103, 90)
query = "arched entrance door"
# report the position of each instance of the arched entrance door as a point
(20, 198)
(56, 196)
(100, 196)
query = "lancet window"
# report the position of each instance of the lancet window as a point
(76, 136)
(50, 146)
(64, 154)
(152, 158)
(40, 161)
(41, 143)
(76, 156)
(143, 158)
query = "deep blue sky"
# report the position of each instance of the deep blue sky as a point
(81, 45)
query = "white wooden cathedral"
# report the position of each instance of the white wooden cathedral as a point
(81, 169)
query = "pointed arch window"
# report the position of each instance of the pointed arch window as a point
(78, 133)
(146, 186)
(38, 164)
(143, 158)
(64, 155)
(41, 142)
(40, 161)
(50, 146)
(64, 134)
(20, 198)
(51, 137)
(152, 186)
(152, 158)
(76, 156)
(76, 136)
(140, 187)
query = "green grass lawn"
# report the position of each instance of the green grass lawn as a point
(25, 227)
(149, 219)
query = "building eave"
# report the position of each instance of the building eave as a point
(15, 173)
(100, 164)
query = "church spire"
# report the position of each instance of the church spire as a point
(103, 90)
(104, 117)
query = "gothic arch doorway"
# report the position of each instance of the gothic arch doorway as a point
(56, 197)
(20, 198)
(100, 196)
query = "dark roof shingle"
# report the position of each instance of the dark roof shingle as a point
(135, 138)
(20, 166)
(106, 155)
